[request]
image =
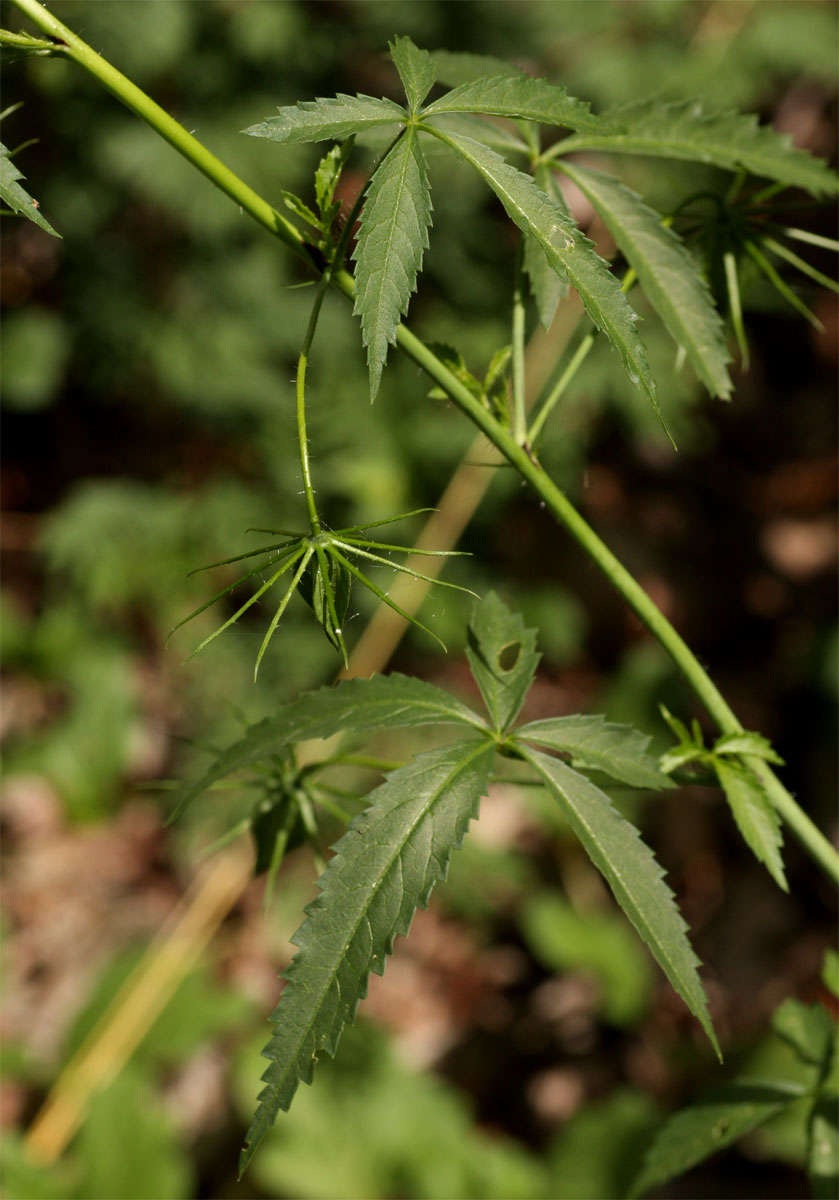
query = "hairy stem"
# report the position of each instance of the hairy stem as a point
(561, 508)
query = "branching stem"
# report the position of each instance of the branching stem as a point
(558, 504)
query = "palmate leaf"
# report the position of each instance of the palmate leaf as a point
(631, 871)
(391, 241)
(569, 252)
(594, 742)
(416, 70)
(384, 868)
(714, 1123)
(756, 817)
(668, 274)
(731, 140)
(354, 706)
(328, 120)
(16, 197)
(547, 288)
(518, 97)
(502, 657)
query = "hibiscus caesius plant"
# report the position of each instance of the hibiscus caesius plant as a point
(521, 136)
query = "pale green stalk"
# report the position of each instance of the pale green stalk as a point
(561, 508)
(519, 314)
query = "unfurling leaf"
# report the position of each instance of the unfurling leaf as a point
(328, 120)
(385, 867)
(330, 612)
(598, 744)
(326, 178)
(631, 871)
(503, 658)
(568, 251)
(391, 241)
(669, 275)
(732, 140)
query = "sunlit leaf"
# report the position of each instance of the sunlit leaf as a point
(391, 241)
(385, 867)
(669, 275)
(636, 879)
(326, 120)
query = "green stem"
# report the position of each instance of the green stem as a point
(168, 128)
(519, 313)
(811, 837)
(555, 395)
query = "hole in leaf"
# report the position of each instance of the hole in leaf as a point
(508, 656)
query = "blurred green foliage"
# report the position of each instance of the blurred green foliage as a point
(148, 359)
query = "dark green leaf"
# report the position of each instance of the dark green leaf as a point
(355, 706)
(668, 274)
(17, 199)
(454, 68)
(391, 241)
(503, 658)
(328, 120)
(568, 251)
(636, 879)
(805, 1027)
(594, 742)
(313, 591)
(416, 70)
(517, 96)
(701, 1130)
(384, 868)
(546, 286)
(729, 139)
(756, 817)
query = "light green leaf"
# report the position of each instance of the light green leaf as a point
(823, 1149)
(568, 251)
(668, 273)
(150, 1164)
(601, 745)
(731, 140)
(327, 120)
(454, 68)
(502, 657)
(748, 743)
(755, 815)
(384, 868)
(17, 199)
(706, 1127)
(354, 705)
(389, 250)
(629, 867)
(805, 1027)
(518, 96)
(546, 286)
(416, 70)
(327, 175)
(830, 972)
